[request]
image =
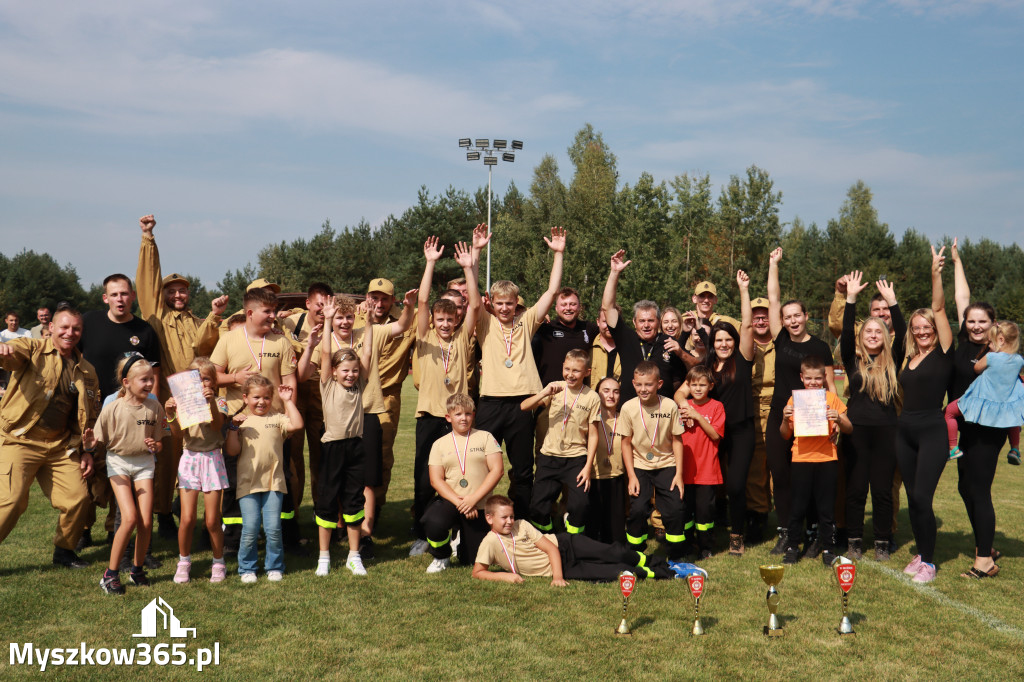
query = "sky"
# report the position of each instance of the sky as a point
(240, 124)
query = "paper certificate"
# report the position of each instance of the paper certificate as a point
(187, 389)
(810, 410)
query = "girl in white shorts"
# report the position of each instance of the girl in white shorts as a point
(201, 469)
(130, 427)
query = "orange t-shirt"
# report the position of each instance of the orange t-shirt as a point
(817, 448)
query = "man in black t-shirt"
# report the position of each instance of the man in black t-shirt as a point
(554, 339)
(645, 342)
(106, 336)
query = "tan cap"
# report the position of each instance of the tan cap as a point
(520, 301)
(759, 302)
(705, 286)
(384, 286)
(175, 277)
(263, 284)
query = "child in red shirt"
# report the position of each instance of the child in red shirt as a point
(703, 421)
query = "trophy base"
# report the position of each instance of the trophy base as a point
(773, 632)
(698, 629)
(623, 628)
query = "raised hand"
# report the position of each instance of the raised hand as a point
(854, 285)
(618, 261)
(742, 279)
(219, 305)
(432, 250)
(147, 223)
(481, 236)
(316, 334)
(938, 259)
(841, 284)
(557, 241)
(330, 310)
(954, 252)
(463, 255)
(410, 297)
(286, 392)
(775, 256)
(885, 288)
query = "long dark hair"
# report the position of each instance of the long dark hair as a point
(728, 371)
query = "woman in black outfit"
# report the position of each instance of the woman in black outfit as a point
(923, 450)
(788, 323)
(871, 360)
(980, 445)
(731, 360)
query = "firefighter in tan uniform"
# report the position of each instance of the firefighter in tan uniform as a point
(759, 501)
(163, 303)
(394, 368)
(297, 326)
(52, 397)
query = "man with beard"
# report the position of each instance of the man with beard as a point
(762, 384)
(556, 338)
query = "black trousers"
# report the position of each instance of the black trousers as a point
(977, 467)
(699, 514)
(340, 477)
(502, 418)
(922, 453)
(814, 481)
(736, 452)
(656, 481)
(552, 474)
(428, 430)
(441, 520)
(779, 452)
(870, 459)
(606, 513)
(587, 559)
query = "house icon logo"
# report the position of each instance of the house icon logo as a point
(158, 615)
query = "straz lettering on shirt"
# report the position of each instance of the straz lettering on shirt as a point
(272, 426)
(270, 355)
(146, 422)
(481, 448)
(659, 415)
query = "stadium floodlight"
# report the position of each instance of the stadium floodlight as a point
(485, 149)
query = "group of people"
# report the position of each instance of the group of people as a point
(662, 427)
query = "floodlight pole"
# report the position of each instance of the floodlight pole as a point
(487, 288)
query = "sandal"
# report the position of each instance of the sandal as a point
(978, 574)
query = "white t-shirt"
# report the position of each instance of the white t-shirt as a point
(7, 335)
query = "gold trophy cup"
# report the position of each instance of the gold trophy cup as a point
(844, 572)
(696, 583)
(627, 581)
(772, 576)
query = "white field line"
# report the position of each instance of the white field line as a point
(932, 593)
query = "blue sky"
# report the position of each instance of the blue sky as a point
(240, 124)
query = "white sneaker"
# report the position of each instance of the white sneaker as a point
(275, 576)
(323, 567)
(419, 547)
(438, 565)
(248, 578)
(355, 565)
(455, 543)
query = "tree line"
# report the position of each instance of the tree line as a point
(677, 233)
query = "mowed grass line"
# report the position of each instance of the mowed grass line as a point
(400, 623)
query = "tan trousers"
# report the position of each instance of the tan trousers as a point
(313, 418)
(59, 478)
(389, 429)
(759, 494)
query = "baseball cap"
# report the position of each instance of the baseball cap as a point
(705, 286)
(759, 302)
(384, 286)
(263, 284)
(175, 277)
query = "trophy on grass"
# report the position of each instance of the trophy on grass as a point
(844, 571)
(772, 576)
(696, 583)
(627, 581)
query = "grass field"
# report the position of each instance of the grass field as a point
(400, 623)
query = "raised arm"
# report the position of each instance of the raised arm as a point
(961, 290)
(835, 311)
(557, 246)
(404, 321)
(431, 253)
(148, 278)
(774, 293)
(746, 317)
(327, 341)
(619, 263)
(366, 352)
(468, 259)
(939, 300)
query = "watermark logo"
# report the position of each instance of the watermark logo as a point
(159, 614)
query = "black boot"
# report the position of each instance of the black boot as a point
(67, 559)
(85, 540)
(780, 544)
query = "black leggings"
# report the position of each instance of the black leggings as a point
(779, 452)
(870, 453)
(737, 451)
(922, 453)
(981, 446)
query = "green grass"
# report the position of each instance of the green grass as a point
(400, 623)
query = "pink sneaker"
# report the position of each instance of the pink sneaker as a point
(914, 566)
(218, 573)
(181, 573)
(925, 574)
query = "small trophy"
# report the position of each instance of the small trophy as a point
(844, 573)
(696, 583)
(772, 576)
(627, 581)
